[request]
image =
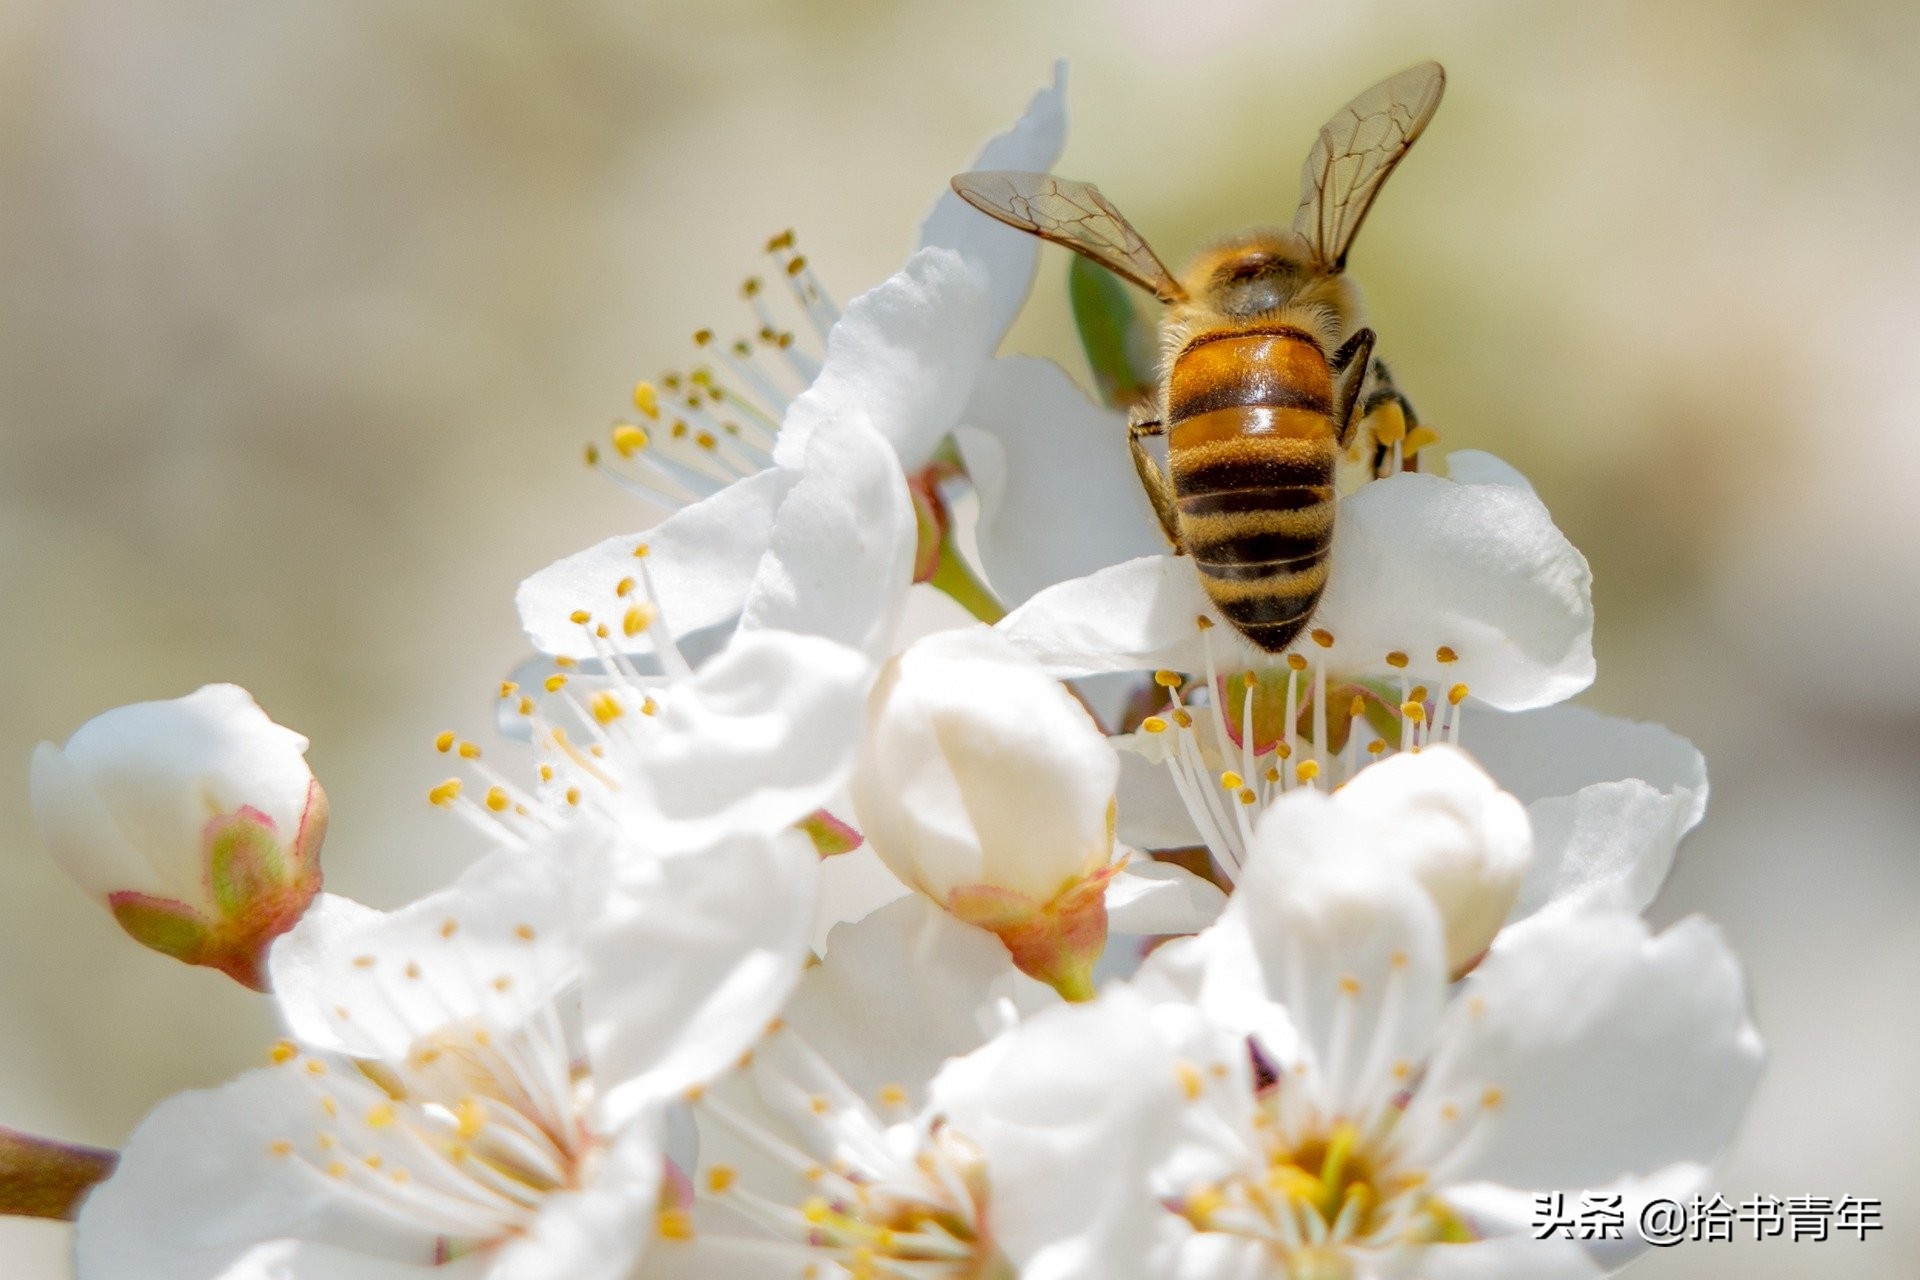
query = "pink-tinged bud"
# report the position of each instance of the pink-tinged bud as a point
(983, 784)
(195, 821)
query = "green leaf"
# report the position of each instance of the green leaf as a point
(1120, 343)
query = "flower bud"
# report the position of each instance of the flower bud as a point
(983, 784)
(195, 821)
(1465, 840)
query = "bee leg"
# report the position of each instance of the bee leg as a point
(1388, 418)
(1349, 365)
(1153, 477)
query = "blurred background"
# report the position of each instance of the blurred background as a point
(305, 311)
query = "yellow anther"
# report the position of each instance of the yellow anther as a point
(1272, 774)
(373, 1161)
(281, 1148)
(624, 588)
(1168, 679)
(1418, 439)
(819, 1104)
(679, 431)
(1449, 1112)
(639, 618)
(565, 663)
(1397, 660)
(469, 751)
(1349, 985)
(579, 617)
(1203, 622)
(720, 1178)
(573, 795)
(592, 454)
(1322, 637)
(497, 799)
(601, 632)
(380, 1116)
(471, 1116)
(524, 932)
(449, 927)
(556, 682)
(673, 1224)
(1356, 708)
(503, 983)
(1375, 747)
(640, 551)
(782, 241)
(1403, 1070)
(1477, 1006)
(1191, 1082)
(1492, 1098)
(363, 962)
(702, 337)
(1457, 694)
(1282, 750)
(1297, 661)
(1398, 960)
(444, 794)
(649, 707)
(646, 399)
(444, 743)
(892, 1095)
(1414, 711)
(1182, 718)
(797, 265)
(1231, 781)
(508, 688)
(1445, 653)
(1306, 771)
(1247, 795)
(750, 287)
(628, 439)
(1153, 724)
(815, 1210)
(526, 706)
(315, 1067)
(283, 1051)
(705, 440)
(606, 707)
(336, 1170)
(412, 970)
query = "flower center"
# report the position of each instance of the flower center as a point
(1235, 744)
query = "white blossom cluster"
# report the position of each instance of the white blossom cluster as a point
(824, 933)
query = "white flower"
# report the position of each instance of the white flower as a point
(195, 821)
(900, 1122)
(912, 360)
(985, 785)
(1379, 1127)
(434, 1105)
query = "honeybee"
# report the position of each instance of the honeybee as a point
(1263, 355)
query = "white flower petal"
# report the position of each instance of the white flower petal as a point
(1610, 800)
(1152, 814)
(688, 961)
(840, 559)
(1135, 616)
(758, 738)
(495, 945)
(1032, 144)
(599, 1231)
(1071, 503)
(852, 887)
(1512, 1258)
(701, 560)
(902, 991)
(1476, 466)
(1420, 562)
(1347, 941)
(1070, 1109)
(904, 355)
(198, 1188)
(1149, 897)
(1608, 1052)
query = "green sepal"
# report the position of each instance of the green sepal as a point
(245, 864)
(41, 1178)
(831, 837)
(1119, 342)
(164, 925)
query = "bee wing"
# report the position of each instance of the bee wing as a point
(1073, 214)
(1355, 152)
